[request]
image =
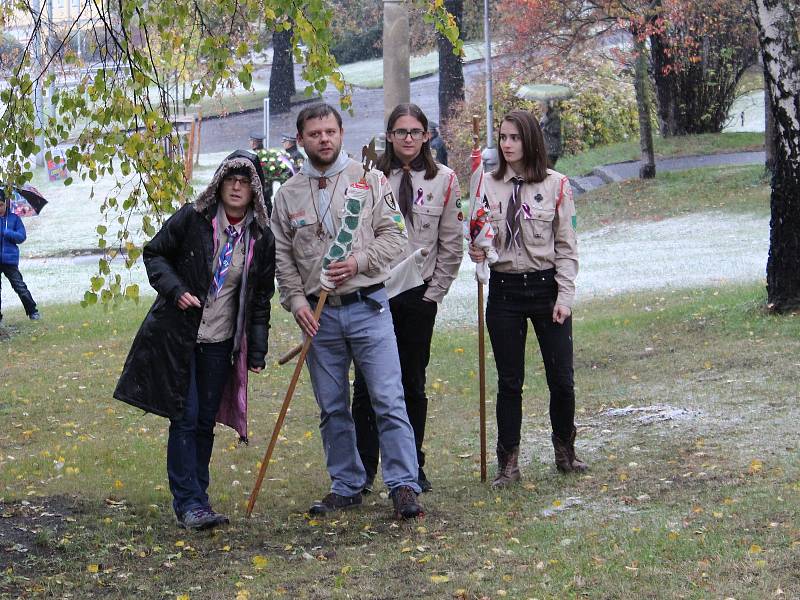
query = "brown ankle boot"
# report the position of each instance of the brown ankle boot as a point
(566, 461)
(507, 467)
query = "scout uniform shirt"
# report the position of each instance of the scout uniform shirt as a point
(218, 322)
(301, 240)
(547, 224)
(436, 223)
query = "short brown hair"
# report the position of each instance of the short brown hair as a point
(534, 155)
(317, 111)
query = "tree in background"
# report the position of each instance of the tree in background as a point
(569, 30)
(779, 40)
(118, 113)
(700, 50)
(451, 68)
(281, 76)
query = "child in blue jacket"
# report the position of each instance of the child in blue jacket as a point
(12, 232)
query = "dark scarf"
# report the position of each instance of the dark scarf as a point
(406, 191)
(513, 213)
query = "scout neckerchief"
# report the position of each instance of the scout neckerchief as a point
(324, 199)
(224, 260)
(406, 191)
(513, 214)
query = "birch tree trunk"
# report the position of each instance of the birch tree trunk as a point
(780, 49)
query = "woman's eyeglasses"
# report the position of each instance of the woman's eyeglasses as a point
(416, 134)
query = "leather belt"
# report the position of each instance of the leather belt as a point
(361, 295)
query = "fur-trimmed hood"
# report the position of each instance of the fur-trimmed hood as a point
(237, 160)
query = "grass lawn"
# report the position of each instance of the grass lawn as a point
(688, 145)
(687, 405)
(736, 189)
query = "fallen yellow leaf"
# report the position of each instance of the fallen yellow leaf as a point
(92, 568)
(440, 578)
(259, 562)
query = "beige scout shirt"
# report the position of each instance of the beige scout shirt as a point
(548, 229)
(218, 322)
(301, 241)
(437, 224)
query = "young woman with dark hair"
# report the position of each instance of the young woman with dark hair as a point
(428, 196)
(533, 218)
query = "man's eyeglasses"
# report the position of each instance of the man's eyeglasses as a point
(240, 179)
(416, 134)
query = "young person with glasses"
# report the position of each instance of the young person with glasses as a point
(213, 266)
(533, 218)
(429, 198)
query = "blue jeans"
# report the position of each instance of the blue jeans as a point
(191, 437)
(18, 285)
(358, 332)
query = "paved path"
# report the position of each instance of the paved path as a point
(630, 170)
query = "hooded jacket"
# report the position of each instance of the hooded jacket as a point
(179, 259)
(12, 232)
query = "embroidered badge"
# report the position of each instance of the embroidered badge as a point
(297, 215)
(485, 203)
(430, 197)
(460, 216)
(389, 199)
(575, 222)
(538, 197)
(398, 220)
(297, 223)
(458, 203)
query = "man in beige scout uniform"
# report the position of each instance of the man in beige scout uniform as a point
(355, 323)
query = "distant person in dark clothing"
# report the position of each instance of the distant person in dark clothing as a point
(12, 233)
(551, 131)
(256, 142)
(290, 146)
(437, 145)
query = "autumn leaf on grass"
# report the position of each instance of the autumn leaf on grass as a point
(259, 562)
(440, 578)
(93, 568)
(755, 466)
(755, 549)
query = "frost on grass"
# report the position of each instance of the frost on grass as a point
(656, 413)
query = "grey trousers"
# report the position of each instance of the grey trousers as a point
(359, 332)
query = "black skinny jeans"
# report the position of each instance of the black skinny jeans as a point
(513, 299)
(413, 320)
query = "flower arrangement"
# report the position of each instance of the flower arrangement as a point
(278, 166)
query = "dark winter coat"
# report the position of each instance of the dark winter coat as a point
(12, 232)
(179, 259)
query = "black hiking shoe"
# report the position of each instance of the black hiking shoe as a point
(369, 486)
(333, 502)
(423, 483)
(405, 503)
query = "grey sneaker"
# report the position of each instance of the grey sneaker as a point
(333, 502)
(35, 316)
(198, 519)
(219, 518)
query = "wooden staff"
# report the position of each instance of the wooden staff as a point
(481, 341)
(323, 296)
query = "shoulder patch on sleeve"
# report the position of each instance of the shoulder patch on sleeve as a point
(388, 197)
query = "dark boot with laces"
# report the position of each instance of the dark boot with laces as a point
(405, 503)
(507, 467)
(334, 502)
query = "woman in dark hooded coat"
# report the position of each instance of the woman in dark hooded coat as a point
(213, 266)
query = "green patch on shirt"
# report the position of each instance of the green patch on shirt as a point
(575, 222)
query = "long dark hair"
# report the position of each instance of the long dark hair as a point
(534, 155)
(411, 110)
